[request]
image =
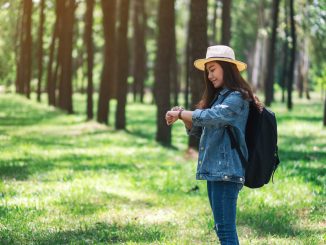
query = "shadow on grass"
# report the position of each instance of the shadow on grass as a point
(150, 137)
(22, 168)
(311, 172)
(279, 221)
(305, 163)
(304, 156)
(141, 134)
(11, 233)
(81, 208)
(101, 201)
(289, 117)
(104, 233)
(19, 113)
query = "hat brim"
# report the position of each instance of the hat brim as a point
(200, 63)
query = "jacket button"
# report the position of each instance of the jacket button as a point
(225, 177)
(240, 179)
(199, 162)
(202, 148)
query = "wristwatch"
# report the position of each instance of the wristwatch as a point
(179, 115)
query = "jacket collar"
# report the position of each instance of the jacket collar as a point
(220, 91)
(223, 90)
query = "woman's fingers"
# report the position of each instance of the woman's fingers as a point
(170, 121)
(170, 117)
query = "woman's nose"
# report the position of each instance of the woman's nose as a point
(210, 77)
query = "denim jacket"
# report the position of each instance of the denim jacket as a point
(216, 159)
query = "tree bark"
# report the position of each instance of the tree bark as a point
(139, 49)
(304, 66)
(293, 50)
(174, 65)
(197, 48)
(188, 66)
(40, 51)
(108, 70)
(285, 68)
(324, 121)
(269, 80)
(23, 77)
(52, 76)
(258, 58)
(65, 56)
(297, 74)
(123, 64)
(162, 69)
(284, 76)
(226, 22)
(214, 27)
(90, 55)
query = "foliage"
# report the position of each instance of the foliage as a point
(310, 20)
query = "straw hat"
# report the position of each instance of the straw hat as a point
(219, 52)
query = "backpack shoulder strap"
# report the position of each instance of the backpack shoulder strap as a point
(225, 95)
(234, 144)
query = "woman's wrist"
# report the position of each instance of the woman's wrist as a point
(179, 114)
(187, 116)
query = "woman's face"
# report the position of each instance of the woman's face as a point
(215, 73)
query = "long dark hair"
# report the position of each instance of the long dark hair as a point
(232, 80)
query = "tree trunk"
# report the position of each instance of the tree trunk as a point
(90, 55)
(293, 50)
(40, 51)
(123, 58)
(297, 73)
(284, 77)
(188, 66)
(52, 77)
(23, 77)
(17, 37)
(162, 69)
(304, 66)
(324, 121)
(139, 49)
(256, 67)
(108, 70)
(285, 68)
(198, 45)
(226, 22)
(174, 65)
(269, 80)
(214, 27)
(258, 54)
(145, 75)
(77, 62)
(65, 57)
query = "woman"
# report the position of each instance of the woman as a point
(218, 163)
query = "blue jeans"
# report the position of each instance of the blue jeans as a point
(223, 197)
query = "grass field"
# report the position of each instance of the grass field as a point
(68, 181)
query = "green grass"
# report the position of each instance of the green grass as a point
(65, 180)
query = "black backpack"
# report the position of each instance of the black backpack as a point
(261, 141)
